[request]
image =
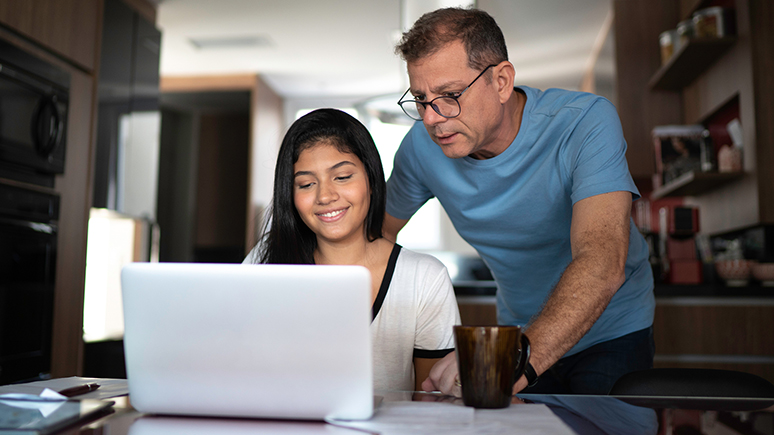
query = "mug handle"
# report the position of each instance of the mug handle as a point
(523, 358)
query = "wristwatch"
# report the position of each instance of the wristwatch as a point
(531, 375)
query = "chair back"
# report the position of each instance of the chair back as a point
(689, 382)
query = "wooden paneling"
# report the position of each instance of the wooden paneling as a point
(477, 310)
(241, 82)
(688, 6)
(736, 204)
(222, 180)
(690, 61)
(729, 337)
(762, 39)
(637, 26)
(69, 28)
(17, 14)
(743, 71)
(714, 330)
(75, 186)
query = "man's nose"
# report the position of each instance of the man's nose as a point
(431, 117)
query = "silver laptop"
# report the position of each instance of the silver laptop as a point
(265, 341)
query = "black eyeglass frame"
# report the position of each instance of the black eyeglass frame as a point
(401, 101)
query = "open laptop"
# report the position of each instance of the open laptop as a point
(265, 341)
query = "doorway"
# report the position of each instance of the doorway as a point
(203, 176)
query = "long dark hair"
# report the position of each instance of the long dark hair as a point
(286, 239)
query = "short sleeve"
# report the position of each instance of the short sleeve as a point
(437, 315)
(596, 154)
(406, 192)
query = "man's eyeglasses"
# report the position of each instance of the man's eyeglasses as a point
(447, 106)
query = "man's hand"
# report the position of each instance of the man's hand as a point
(444, 373)
(520, 384)
(443, 376)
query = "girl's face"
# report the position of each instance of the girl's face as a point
(331, 193)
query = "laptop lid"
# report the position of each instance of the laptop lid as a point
(270, 341)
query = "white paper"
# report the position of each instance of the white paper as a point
(449, 419)
(108, 388)
(47, 402)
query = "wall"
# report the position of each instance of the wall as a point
(694, 332)
(637, 25)
(733, 205)
(222, 185)
(178, 159)
(743, 71)
(202, 193)
(267, 130)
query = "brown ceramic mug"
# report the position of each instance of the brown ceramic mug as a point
(490, 359)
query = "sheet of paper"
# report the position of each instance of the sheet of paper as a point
(108, 388)
(30, 417)
(449, 419)
(47, 402)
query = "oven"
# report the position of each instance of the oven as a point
(34, 97)
(28, 229)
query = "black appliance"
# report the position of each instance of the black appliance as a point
(34, 97)
(28, 229)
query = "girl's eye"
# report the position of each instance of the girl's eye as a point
(305, 186)
(344, 178)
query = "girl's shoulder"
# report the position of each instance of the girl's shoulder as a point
(419, 261)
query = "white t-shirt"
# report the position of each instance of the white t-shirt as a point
(415, 313)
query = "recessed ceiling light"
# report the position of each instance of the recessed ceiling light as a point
(224, 42)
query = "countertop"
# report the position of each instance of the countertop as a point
(753, 290)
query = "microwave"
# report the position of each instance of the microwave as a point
(34, 97)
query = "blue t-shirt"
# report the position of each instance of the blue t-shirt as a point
(515, 209)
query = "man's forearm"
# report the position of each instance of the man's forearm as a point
(580, 297)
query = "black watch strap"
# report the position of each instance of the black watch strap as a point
(531, 375)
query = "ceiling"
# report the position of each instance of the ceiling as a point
(344, 48)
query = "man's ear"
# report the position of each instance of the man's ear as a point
(504, 75)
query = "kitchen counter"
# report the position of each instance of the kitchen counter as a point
(474, 288)
(753, 290)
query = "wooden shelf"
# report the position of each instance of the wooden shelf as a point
(694, 183)
(689, 62)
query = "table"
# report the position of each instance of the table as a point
(581, 414)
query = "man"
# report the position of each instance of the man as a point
(537, 182)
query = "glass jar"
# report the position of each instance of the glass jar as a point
(685, 33)
(709, 23)
(667, 42)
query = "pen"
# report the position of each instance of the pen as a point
(78, 390)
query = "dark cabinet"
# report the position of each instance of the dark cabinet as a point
(128, 82)
(145, 67)
(67, 27)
